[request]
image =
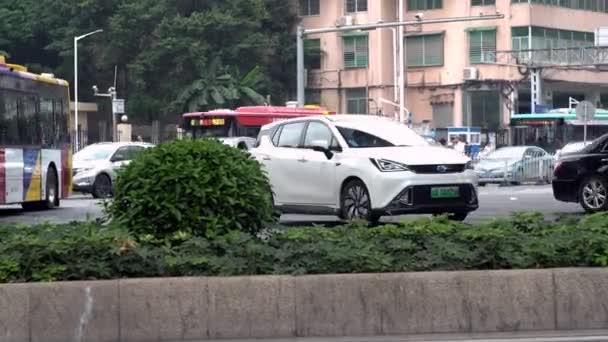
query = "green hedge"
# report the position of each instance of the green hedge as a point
(85, 251)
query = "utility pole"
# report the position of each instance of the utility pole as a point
(303, 33)
(118, 106)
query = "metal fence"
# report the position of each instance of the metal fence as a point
(526, 171)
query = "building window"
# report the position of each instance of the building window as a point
(312, 53)
(356, 101)
(482, 46)
(353, 6)
(587, 5)
(309, 7)
(416, 5)
(546, 38)
(426, 50)
(483, 2)
(313, 97)
(355, 51)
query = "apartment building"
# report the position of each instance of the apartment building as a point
(460, 73)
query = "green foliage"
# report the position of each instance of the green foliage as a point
(191, 188)
(164, 49)
(85, 251)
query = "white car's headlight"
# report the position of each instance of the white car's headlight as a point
(385, 165)
(469, 166)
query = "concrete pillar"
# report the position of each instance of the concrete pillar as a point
(459, 107)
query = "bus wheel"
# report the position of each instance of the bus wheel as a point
(51, 199)
(102, 188)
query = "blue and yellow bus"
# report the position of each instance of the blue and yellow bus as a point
(35, 152)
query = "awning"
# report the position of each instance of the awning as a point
(589, 123)
(481, 28)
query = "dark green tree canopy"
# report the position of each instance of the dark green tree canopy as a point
(172, 55)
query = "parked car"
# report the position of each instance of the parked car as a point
(94, 167)
(572, 147)
(363, 167)
(515, 164)
(582, 177)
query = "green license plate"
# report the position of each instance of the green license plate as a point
(445, 192)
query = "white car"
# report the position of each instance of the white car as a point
(94, 167)
(572, 147)
(362, 167)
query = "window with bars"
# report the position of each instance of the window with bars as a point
(309, 7)
(355, 51)
(353, 6)
(483, 2)
(312, 54)
(416, 5)
(356, 101)
(482, 46)
(425, 50)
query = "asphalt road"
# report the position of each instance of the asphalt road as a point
(494, 202)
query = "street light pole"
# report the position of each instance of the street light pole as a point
(302, 33)
(76, 39)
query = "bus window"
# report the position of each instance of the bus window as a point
(210, 128)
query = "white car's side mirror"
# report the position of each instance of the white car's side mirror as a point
(320, 145)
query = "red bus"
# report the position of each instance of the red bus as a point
(242, 122)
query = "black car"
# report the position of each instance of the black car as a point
(582, 177)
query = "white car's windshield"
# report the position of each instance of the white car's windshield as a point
(506, 153)
(91, 153)
(379, 134)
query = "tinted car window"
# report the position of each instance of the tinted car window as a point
(358, 139)
(291, 134)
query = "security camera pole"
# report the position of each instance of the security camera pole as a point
(302, 33)
(118, 107)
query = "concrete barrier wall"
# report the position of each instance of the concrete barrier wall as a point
(308, 306)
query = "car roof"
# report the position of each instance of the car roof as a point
(122, 143)
(338, 118)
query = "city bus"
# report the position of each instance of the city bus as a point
(554, 129)
(35, 152)
(241, 122)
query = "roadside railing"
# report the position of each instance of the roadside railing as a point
(526, 171)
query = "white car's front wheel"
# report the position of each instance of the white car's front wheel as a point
(355, 203)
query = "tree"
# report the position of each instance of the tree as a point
(164, 49)
(219, 87)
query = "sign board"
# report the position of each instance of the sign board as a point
(118, 106)
(585, 111)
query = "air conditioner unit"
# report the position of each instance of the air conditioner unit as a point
(470, 74)
(347, 20)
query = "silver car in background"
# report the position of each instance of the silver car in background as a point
(572, 147)
(515, 165)
(94, 167)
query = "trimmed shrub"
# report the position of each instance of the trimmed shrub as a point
(87, 251)
(191, 188)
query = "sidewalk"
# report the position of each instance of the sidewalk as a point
(545, 336)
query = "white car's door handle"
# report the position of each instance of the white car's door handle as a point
(302, 160)
(266, 158)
